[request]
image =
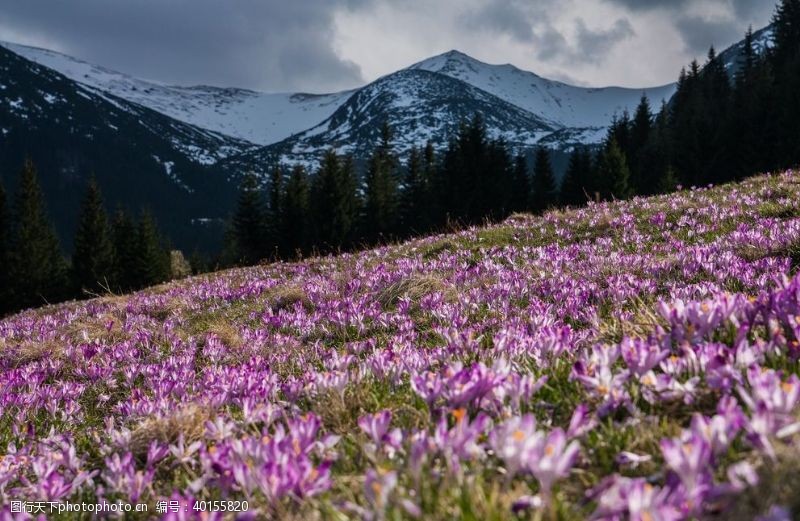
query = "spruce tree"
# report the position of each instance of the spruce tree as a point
(784, 102)
(496, 185)
(613, 171)
(295, 214)
(412, 201)
(655, 159)
(520, 185)
(543, 184)
(668, 182)
(248, 226)
(152, 259)
(576, 188)
(748, 141)
(716, 93)
(639, 136)
(5, 250)
(334, 203)
(93, 257)
(273, 210)
(381, 190)
(123, 232)
(38, 269)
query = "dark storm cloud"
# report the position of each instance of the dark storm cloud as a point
(645, 5)
(510, 17)
(268, 44)
(700, 33)
(529, 23)
(595, 44)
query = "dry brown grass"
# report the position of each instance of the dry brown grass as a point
(414, 287)
(106, 328)
(189, 421)
(28, 352)
(643, 321)
(286, 296)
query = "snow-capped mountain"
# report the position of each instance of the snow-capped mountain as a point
(140, 158)
(178, 150)
(420, 106)
(519, 105)
(562, 105)
(256, 117)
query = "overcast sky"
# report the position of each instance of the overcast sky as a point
(327, 45)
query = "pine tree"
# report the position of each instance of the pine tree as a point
(749, 147)
(5, 250)
(123, 231)
(295, 214)
(152, 260)
(496, 185)
(786, 34)
(38, 269)
(334, 202)
(784, 102)
(412, 200)
(273, 211)
(520, 185)
(431, 210)
(686, 125)
(543, 185)
(668, 182)
(93, 257)
(381, 190)
(248, 227)
(716, 93)
(576, 188)
(639, 136)
(656, 156)
(613, 171)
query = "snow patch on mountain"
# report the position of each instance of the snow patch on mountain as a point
(561, 104)
(257, 117)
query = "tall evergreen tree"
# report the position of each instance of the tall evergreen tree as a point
(749, 143)
(576, 188)
(93, 256)
(613, 171)
(5, 251)
(38, 269)
(248, 227)
(381, 190)
(639, 136)
(152, 259)
(496, 185)
(784, 62)
(334, 202)
(413, 216)
(543, 184)
(520, 185)
(123, 231)
(273, 210)
(295, 214)
(686, 125)
(716, 93)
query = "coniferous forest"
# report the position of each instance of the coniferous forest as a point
(718, 127)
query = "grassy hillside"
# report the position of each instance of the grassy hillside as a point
(627, 360)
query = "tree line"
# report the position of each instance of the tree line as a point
(115, 254)
(716, 128)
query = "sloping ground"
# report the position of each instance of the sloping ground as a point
(628, 360)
